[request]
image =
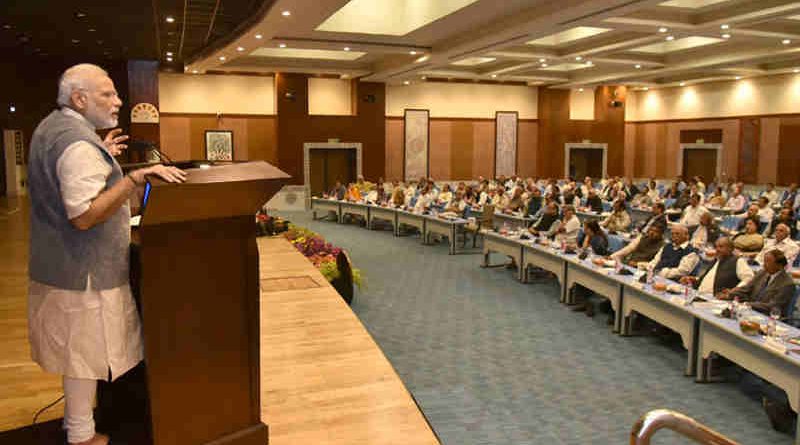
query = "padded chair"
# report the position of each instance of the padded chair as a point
(793, 310)
(615, 243)
(485, 221)
(606, 206)
(730, 222)
(669, 202)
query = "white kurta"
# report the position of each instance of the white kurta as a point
(83, 334)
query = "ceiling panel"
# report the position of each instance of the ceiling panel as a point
(570, 35)
(677, 45)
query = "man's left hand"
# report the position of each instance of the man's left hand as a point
(114, 141)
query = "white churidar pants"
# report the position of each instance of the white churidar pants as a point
(79, 397)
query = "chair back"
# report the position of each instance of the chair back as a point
(487, 215)
(794, 306)
(615, 243)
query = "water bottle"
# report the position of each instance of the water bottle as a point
(650, 276)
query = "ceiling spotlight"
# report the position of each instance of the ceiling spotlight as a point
(638, 66)
(786, 41)
(286, 13)
(170, 19)
(80, 15)
(424, 77)
(259, 36)
(796, 70)
(726, 26)
(580, 90)
(282, 45)
(588, 63)
(663, 29)
(76, 41)
(494, 76)
(169, 53)
(347, 48)
(726, 36)
(221, 58)
(544, 65)
(169, 59)
(646, 88)
(12, 109)
(405, 82)
(670, 38)
(542, 60)
(413, 53)
(194, 71)
(578, 58)
(683, 84)
(6, 26)
(91, 30)
(738, 77)
(239, 48)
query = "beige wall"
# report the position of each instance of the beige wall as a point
(746, 97)
(226, 94)
(329, 97)
(581, 104)
(462, 100)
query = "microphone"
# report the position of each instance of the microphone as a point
(149, 145)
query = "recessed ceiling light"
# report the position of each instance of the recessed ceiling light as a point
(726, 36)
(663, 29)
(240, 48)
(281, 45)
(725, 26)
(683, 84)
(194, 71)
(494, 76)
(542, 60)
(796, 70)
(578, 58)
(76, 41)
(588, 63)
(424, 77)
(413, 53)
(80, 15)
(670, 38)
(12, 109)
(544, 65)
(170, 19)
(646, 88)
(6, 26)
(221, 58)
(347, 48)
(786, 41)
(286, 13)
(580, 90)
(259, 36)
(169, 53)
(738, 77)
(169, 59)
(91, 30)
(638, 66)
(405, 82)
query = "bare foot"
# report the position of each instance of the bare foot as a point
(98, 439)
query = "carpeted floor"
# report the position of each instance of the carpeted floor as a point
(494, 361)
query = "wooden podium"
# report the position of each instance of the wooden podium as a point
(200, 305)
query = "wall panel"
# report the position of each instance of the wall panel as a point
(254, 137)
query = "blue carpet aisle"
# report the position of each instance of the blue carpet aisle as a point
(494, 361)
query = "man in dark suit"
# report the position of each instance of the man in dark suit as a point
(658, 218)
(771, 287)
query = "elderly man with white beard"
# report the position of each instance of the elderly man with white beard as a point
(82, 318)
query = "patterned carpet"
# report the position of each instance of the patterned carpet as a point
(494, 361)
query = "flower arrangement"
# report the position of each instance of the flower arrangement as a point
(321, 253)
(267, 225)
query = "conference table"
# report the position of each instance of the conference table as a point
(702, 331)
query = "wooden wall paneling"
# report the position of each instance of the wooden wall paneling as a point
(553, 112)
(708, 136)
(526, 154)
(749, 159)
(370, 128)
(441, 140)
(483, 149)
(262, 140)
(630, 150)
(789, 153)
(176, 137)
(462, 134)
(609, 125)
(142, 76)
(769, 144)
(394, 149)
(291, 91)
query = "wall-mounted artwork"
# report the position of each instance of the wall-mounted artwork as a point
(417, 140)
(505, 144)
(219, 145)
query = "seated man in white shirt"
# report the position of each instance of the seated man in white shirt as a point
(569, 227)
(737, 201)
(771, 194)
(676, 259)
(765, 212)
(726, 273)
(693, 212)
(782, 242)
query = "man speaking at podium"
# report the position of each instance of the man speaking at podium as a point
(82, 318)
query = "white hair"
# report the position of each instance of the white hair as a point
(76, 78)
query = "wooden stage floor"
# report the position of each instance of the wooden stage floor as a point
(324, 379)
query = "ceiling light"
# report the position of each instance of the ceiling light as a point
(286, 13)
(76, 41)
(91, 30)
(578, 58)
(542, 60)
(670, 38)
(683, 84)
(638, 66)
(6, 26)
(588, 63)
(738, 77)
(12, 109)
(347, 48)
(170, 19)
(405, 82)
(239, 48)
(413, 53)
(421, 59)
(194, 71)
(259, 36)
(796, 70)
(662, 29)
(544, 65)
(646, 88)
(786, 41)
(494, 76)
(169, 53)
(725, 26)
(80, 15)
(424, 77)
(580, 90)
(726, 36)
(221, 58)
(282, 45)
(169, 59)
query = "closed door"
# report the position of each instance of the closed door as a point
(329, 166)
(700, 162)
(585, 162)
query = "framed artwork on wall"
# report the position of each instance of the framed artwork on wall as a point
(219, 145)
(416, 144)
(505, 143)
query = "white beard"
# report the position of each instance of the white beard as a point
(97, 118)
